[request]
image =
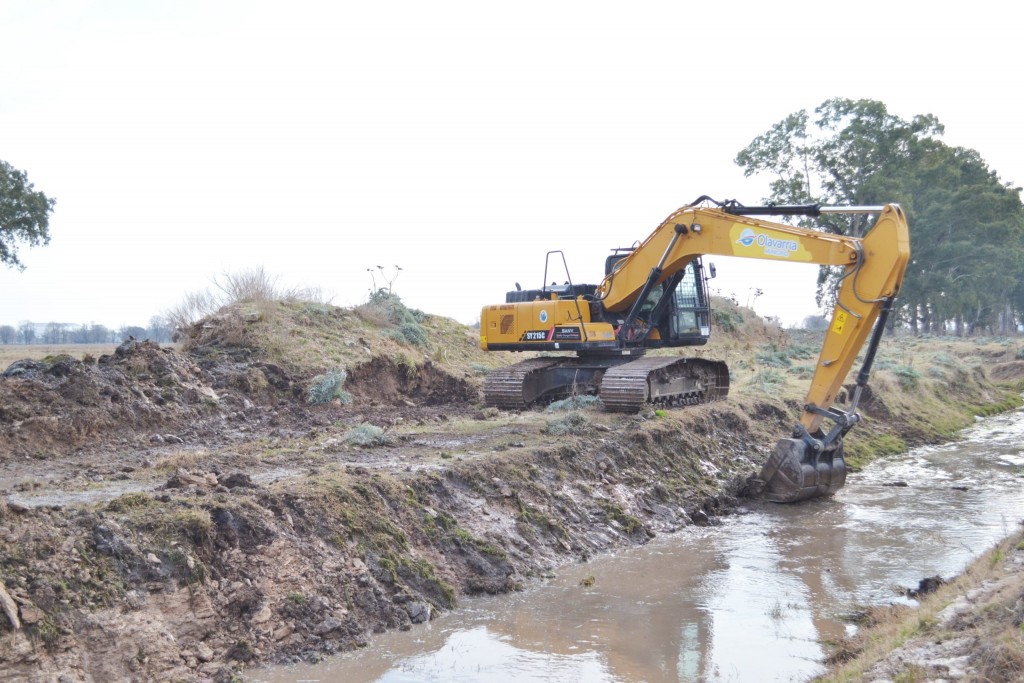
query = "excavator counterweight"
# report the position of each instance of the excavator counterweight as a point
(655, 296)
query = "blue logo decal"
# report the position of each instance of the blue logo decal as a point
(747, 237)
(543, 316)
(772, 246)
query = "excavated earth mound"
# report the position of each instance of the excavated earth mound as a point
(60, 402)
(143, 394)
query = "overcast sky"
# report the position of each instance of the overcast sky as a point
(460, 141)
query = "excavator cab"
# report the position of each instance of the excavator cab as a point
(679, 308)
(688, 315)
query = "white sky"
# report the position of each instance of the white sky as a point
(459, 140)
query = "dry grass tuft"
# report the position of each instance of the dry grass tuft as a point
(180, 459)
(253, 286)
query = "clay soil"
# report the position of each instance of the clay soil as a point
(182, 514)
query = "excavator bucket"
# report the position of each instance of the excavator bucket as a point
(795, 471)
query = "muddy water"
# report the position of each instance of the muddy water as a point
(749, 600)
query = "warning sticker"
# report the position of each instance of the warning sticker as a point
(840, 322)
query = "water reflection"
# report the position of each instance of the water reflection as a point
(750, 600)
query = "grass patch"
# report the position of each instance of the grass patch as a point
(768, 382)
(129, 501)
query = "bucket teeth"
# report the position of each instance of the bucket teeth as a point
(795, 471)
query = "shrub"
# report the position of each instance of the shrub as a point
(729, 321)
(367, 435)
(327, 387)
(907, 376)
(408, 333)
(573, 423)
(386, 308)
(574, 403)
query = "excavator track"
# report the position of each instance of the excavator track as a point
(665, 381)
(623, 385)
(510, 388)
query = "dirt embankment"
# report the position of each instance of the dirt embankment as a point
(182, 515)
(971, 628)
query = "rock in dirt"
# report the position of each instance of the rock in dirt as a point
(204, 653)
(419, 612)
(238, 480)
(10, 609)
(927, 585)
(700, 518)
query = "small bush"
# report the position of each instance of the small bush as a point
(907, 376)
(729, 321)
(327, 387)
(574, 403)
(573, 423)
(413, 333)
(386, 308)
(367, 435)
(408, 333)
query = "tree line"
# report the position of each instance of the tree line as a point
(27, 332)
(966, 274)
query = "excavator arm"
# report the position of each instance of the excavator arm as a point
(809, 464)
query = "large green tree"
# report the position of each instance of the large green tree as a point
(967, 227)
(24, 214)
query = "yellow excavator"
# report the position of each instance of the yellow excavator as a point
(655, 295)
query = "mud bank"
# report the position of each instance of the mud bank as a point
(212, 571)
(970, 628)
(231, 523)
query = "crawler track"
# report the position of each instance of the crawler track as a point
(513, 387)
(623, 385)
(664, 380)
